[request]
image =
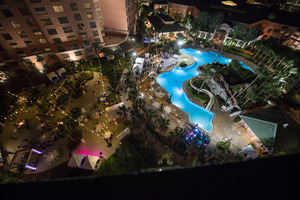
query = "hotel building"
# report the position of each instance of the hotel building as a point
(59, 29)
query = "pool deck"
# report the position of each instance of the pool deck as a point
(223, 125)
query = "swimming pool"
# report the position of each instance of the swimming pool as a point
(172, 81)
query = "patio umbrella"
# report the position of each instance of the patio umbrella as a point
(167, 109)
(155, 105)
(107, 134)
(141, 96)
(249, 150)
(240, 130)
(98, 127)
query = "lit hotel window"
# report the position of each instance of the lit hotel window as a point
(14, 45)
(40, 11)
(43, 41)
(90, 15)
(37, 32)
(15, 24)
(74, 6)
(58, 9)
(87, 5)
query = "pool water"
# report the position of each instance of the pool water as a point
(172, 81)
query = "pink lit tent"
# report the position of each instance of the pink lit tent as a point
(75, 160)
(90, 162)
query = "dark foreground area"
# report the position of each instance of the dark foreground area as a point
(274, 177)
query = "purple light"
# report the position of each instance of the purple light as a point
(29, 167)
(36, 151)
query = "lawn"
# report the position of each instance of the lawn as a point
(125, 160)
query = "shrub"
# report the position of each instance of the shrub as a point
(85, 76)
(223, 146)
(76, 112)
(293, 99)
(182, 64)
(43, 107)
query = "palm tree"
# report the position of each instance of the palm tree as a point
(163, 123)
(138, 104)
(177, 133)
(214, 22)
(150, 114)
(70, 65)
(63, 99)
(199, 23)
(150, 32)
(123, 112)
(133, 94)
(249, 35)
(21, 60)
(41, 60)
(81, 62)
(97, 48)
(236, 31)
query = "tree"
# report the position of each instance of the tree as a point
(237, 31)
(249, 35)
(123, 111)
(123, 153)
(271, 16)
(21, 60)
(199, 23)
(41, 60)
(81, 62)
(177, 133)
(63, 99)
(163, 123)
(97, 48)
(150, 32)
(70, 65)
(214, 22)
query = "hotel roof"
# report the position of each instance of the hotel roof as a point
(244, 12)
(159, 25)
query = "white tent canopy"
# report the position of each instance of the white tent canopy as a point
(75, 160)
(90, 162)
(60, 71)
(51, 76)
(139, 63)
(250, 151)
(112, 112)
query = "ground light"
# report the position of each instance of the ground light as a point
(200, 138)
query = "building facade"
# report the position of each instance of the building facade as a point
(58, 29)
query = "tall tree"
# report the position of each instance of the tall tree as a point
(249, 35)
(70, 67)
(199, 23)
(97, 48)
(214, 22)
(236, 31)
(177, 133)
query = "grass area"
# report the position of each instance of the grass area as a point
(125, 160)
(201, 97)
(113, 70)
(221, 101)
(5, 101)
(293, 99)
